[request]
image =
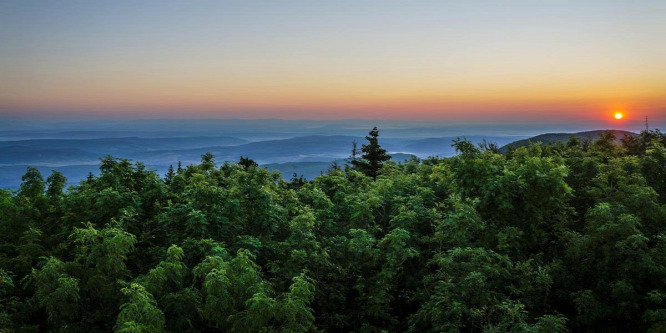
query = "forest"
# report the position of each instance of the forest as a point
(563, 237)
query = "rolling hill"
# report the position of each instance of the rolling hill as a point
(563, 137)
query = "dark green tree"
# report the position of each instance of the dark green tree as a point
(207, 161)
(33, 183)
(373, 155)
(246, 162)
(56, 184)
(168, 178)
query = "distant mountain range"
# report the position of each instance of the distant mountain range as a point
(563, 137)
(169, 150)
(72, 151)
(75, 153)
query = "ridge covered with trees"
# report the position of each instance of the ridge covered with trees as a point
(545, 238)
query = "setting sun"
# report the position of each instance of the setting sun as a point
(618, 115)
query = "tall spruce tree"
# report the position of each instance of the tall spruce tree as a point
(373, 155)
(168, 178)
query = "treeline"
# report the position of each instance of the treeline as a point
(545, 238)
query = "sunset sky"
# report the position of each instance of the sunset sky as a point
(534, 61)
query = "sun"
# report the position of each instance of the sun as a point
(618, 115)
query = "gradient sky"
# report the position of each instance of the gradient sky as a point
(528, 61)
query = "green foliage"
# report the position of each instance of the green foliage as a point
(33, 184)
(294, 313)
(140, 313)
(106, 250)
(545, 238)
(6, 286)
(56, 291)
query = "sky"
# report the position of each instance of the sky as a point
(462, 61)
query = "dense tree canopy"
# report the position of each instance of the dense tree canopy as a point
(545, 238)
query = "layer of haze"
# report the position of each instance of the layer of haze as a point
(477, 61)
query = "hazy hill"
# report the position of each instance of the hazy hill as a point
(563, 137)
(126, 144)
(315, 148)
(76, 151)
(16, 154)
(442, 146)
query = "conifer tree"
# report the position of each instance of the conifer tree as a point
(169, 175)
(354, 152)
(373, 155)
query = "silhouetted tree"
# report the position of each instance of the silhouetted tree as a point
(296, 181)
(333, 167)
(354, 152)
(246, 162)
(373, 156)
(489, 146)
(169, 175)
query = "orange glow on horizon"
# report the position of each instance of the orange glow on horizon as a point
(448, 61)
